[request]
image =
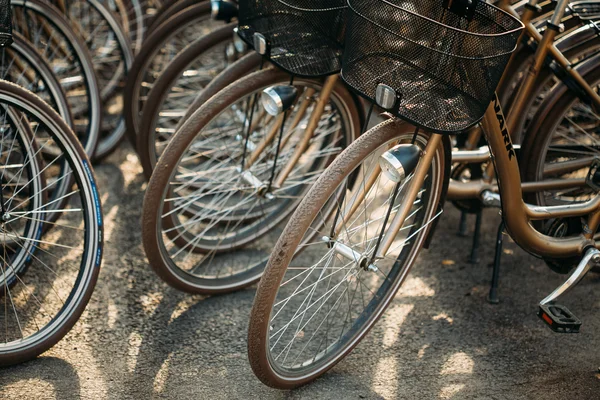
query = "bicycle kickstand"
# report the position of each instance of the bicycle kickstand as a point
(462, 225)
(474, 258)
(493, 295)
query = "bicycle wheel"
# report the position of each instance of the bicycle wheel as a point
(161, 47)
(112, 57)
(179, 85)
(197, 208)
(167, 9)
(50, 33)
(314, 305)
(562, 145)
(21, 64)
(39, 307)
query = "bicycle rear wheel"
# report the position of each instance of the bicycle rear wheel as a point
(314, 304)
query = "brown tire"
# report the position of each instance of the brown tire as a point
(133, 105)
(300, 226)
(159, 185)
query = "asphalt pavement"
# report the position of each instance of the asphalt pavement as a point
(440, 339)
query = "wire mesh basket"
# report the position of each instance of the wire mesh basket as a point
(442, 62)
(305, 37)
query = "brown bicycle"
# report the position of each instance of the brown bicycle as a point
(352, 241)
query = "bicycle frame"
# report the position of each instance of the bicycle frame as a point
(546, 46)
(517, 214)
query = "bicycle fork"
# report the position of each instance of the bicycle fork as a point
(387, 236)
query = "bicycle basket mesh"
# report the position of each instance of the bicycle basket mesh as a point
(5, 23)
(305, 36)
(444, 68)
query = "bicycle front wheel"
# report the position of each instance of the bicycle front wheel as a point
(315, 303)
(205, 228)
(46, 280)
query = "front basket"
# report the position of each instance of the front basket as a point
(444, 67)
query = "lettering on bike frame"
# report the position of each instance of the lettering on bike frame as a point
(502, 122)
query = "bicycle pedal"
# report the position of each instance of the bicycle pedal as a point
(559, 318)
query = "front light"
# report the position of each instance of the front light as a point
(277, 99)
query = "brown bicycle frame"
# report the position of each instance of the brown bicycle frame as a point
(517, 214)
(546, 46)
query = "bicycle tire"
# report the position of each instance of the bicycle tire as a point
(260, 325)
(70, 311)
(159, 183)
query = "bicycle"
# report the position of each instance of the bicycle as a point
(234, 172)
(360, 240)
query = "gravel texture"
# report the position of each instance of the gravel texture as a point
(440, 339)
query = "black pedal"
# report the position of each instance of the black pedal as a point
(559, 318)
(593, 176)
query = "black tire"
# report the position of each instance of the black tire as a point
(87, 210)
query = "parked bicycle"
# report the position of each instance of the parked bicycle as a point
(353, 239)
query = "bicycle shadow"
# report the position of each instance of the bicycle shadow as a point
(439, 339)
(41, 372)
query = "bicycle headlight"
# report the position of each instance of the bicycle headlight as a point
(222, 10)
(400, 161)
(277, 99)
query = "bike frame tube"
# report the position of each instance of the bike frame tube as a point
(305, 103)
(517, 214)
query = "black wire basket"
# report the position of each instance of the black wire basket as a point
(441, 59)
(305, 37)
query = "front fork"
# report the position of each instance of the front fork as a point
(414, 186)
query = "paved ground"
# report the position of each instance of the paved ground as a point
(440, 339)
